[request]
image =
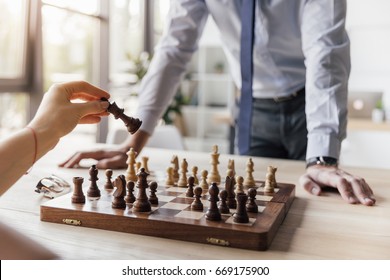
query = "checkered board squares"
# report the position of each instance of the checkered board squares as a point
(173, 218)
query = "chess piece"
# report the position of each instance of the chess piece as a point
(142, 203)
(183, 174)
(231, 168)
(130, 172)
(108, 185)
(78, 195)
(197, 204)
(195, 175)
(270, 181)
(239, 185)
(249, 181)
(118, 201)
(138, 166)
(203, 182)
(251, 206)
(93, 191)
(214, 174)
(170, 180)
(231, 195)
(132, 124)
(130, 198)
(153, 199)
(241, 216)
(144, 164)
(223, 207)
(175, 163)
(213, 213)
(190, 187)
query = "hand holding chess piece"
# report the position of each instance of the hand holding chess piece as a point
(132, 124)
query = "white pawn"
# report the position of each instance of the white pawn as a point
(203, 181)
(170, 180)
(239, 185)
(195, 175)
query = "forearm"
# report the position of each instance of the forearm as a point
(18, 152)
(326, 48)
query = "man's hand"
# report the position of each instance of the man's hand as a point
(114, 159)
(352, 189)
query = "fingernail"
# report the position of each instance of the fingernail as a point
(315, 190)
(351, 199)
(369, 200)
(104, 104)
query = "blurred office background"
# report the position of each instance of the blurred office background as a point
(110, 43)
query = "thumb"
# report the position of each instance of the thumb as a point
(309, 185)
(92, 107)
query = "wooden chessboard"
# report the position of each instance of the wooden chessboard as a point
(172, 218)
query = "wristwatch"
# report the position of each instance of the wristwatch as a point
(324, 161)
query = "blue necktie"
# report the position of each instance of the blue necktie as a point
(246, 54)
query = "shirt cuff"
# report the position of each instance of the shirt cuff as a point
(323, 145)
(149, 121)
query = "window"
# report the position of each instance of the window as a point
(13, 64)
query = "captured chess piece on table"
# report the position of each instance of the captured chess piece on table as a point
(132, 124)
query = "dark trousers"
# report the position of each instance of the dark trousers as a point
(279, 128)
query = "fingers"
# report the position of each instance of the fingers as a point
(115, 162)
(352, 189)
(309, 185)
(83, 90)
(91, 110)
(106, 159)
(75, 159)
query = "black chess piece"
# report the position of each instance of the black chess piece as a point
(93, 191)
(223, 207)
(142, 203)
(231, 196)
(118, 201)
(130, 198)
(251, 206)
(132, 124)
(78, 195)
(108, 185)
(153, 199)
(197, 204)
(213, 213)
(241, 216)
(190, 186)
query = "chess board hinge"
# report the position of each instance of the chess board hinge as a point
(72, 222)
(217, 241)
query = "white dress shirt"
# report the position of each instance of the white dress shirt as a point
(298, 43)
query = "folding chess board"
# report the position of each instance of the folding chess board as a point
(173, 218)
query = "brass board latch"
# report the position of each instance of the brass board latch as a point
(72, 222)
(217, 241)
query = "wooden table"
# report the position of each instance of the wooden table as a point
(322, 227)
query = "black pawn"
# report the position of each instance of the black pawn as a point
(93, 190)
(241, 216)
(190, 186)
(213, 213)
(223, 208)
(108, 185)
(130, 198)
(153, 199)
(251, 205)
(197, 204)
